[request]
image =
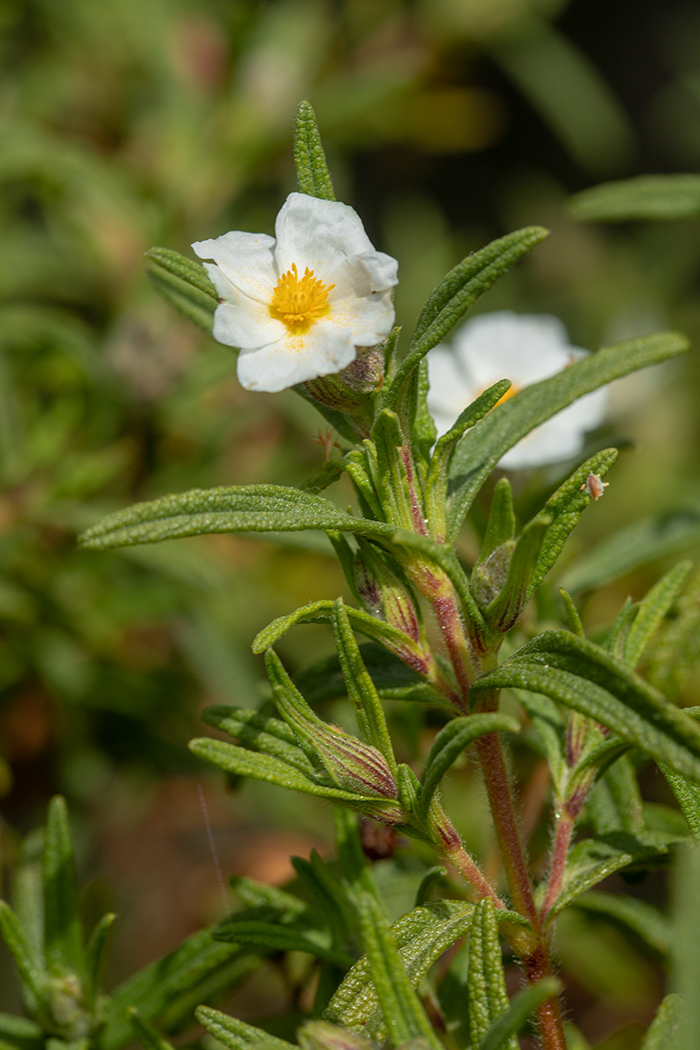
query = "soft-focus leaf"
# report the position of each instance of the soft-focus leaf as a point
(686, 937)
(674, 653)
(664, 1030)
(272, 937)
(235, 508)
(451, 741)
(237, 1035)
(392, 679)
(20, 1032)
(488, 1000)
(148, 1035)
(188, 299)
(94, 954)
(157, 990)
(257, 732)
(455, 294)
(634, 917)
(312, 171)
(645, 541)
(644, 197)
(63, 936)
(28, 968)
(515, 1017)
(585, 677)
(481, 448)
(687, 793)
(404, 1017)
(652, 609)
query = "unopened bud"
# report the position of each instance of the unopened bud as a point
(351, 389)
(489, 578)
(383, 593)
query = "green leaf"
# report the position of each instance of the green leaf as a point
(584, 676)
(312, 171)
(322, 612)
(330, 895)
(501, 523)
(404, 1017)
(272, 937)
(263, 767)
(451, 741)
(144, 1031)
(488, 1000)
(686, 930)
(645, 541)
(354, 864)
(454, 295)
(665, 1029)
(185, 285)
(564, 509)
(572, 615)
(391, 470)
(158, 990)
(235, 508)
(652, 609)
(256, 894)
(319, 1035)
(392, 679)
(513, 1020)
(257, 732)
(63, 935)
(674, 653)
(21, 1033)
(94, 955)
(432, 875)
(644, 197)
(237, 1035)
(687, 793)
(593, 860)
(421, 936)
(646, 924)
(32, 975)
(505, 608)
(361, 691)
(483, 446)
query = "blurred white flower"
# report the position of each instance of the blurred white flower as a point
(299, 305)
(524, 348)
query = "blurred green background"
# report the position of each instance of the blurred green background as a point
(127, 123)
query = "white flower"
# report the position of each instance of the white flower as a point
(524, 348)
(299, 305)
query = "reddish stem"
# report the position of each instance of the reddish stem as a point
(538, 966)
(562, 841)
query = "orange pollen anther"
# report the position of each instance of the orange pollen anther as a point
(298, 302)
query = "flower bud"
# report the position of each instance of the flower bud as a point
(350, 390)
(488, 579)
(382, 592)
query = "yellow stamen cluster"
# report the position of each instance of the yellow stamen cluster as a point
(298, 302)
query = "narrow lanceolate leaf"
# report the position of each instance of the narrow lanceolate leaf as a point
(646, 924)
(237, 1035)
(157, 990)
(665, 1029)
(361, 691)
(674, 653)
(488, 1000)
(312, 171)
(687, 793)
(95, 953)
(404, 1017)
(455, 294)
(564, 509)
(146, 1033)
(421, 937)
(20, 1033)
(393, 680)
(686, 961)
(272, 937)
(256, 732)
(644, 197)
(185, 285)
(19, 948)
(63, 936)
(593, 860)
(645, 541)
(235, 508)
(389, 637)
(505, 608)
(263, 767)
(583, 676)
(513, 1020)
(481, 448)
(452, 741)
(652, 609)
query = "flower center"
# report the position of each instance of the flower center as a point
(299, 301)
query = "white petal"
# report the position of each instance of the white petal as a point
(327, 236)
(245, 323)
(450, 390)
(524, 349)
(368, 320)
(296, 359)
(244, 261)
